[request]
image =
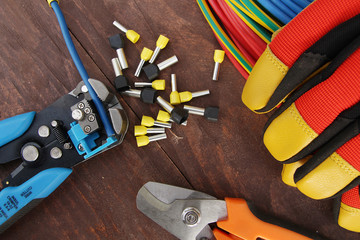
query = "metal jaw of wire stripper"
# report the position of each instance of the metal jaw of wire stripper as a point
(50, 143)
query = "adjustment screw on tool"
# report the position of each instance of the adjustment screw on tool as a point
(142, 130)
(160, 44)
(145, 140)
(147, 95)
(145, 56)
(55, 153)
(157, 84)
(121, 83)
(117, 43)
(174, 95)
(130, 34)
(152, 70)
(210, 113)
(44, 131)
(30, 152)
(218, 58)
(149, 122)
(187, 96)
(165, 117)
(179, 115)
(77, 114)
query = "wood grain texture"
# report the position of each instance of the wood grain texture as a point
(224, 159)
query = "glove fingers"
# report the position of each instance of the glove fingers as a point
(312, 60)
(287, 46)
(315, 106)
(347, 211)
(333, 167)
(288, 172)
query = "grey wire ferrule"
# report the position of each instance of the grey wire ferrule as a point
(138, 69)
(195, 110)
(216, 71)
(142, 84)
(132, 93)
(155, 54)
(119, 26)
(173, 83)
(157, 137)
(116, 66)
(200, 93)
(167, 63)
(163, 103)
(162, 124)
(122, 58)
(184, 123)
(155, 130)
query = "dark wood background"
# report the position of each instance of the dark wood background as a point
(224, 159)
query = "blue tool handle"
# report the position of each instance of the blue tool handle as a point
(15, 202)
(14, 127)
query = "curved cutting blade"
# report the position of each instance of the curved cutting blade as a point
(183, 212)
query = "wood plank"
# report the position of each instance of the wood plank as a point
(224, 159)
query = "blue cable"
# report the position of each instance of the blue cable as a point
(302, 3)
(80, 67)
(293, 6)
(280, 5)
(275, 11)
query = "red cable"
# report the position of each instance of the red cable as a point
(232, 59)
(238, 40)
(254, 41)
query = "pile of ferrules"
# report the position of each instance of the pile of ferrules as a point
(150, 129)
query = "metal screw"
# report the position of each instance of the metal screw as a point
(81, 105)
(80, 147)
(44, 131)
(77, 115)
(84, 89)
(91, 118)
(191, 216)
(67, 146)
(55, 153)
(30, 153)
(54, 123)
(87, 129)
(87, 110)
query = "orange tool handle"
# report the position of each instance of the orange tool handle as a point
(246, 224)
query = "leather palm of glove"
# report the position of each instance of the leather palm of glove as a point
(312, 68)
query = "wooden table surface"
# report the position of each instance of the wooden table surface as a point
(97, 201)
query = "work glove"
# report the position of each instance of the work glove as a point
(311, 72)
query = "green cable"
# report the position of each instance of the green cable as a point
(222, 36)
(263, 18)
(258, 29)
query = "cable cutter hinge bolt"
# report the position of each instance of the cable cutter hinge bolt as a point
(152, 70)
(145, 140)
(142, 130)
(121, 83)
(218, 58)
(210, 113)
(160, 44)
(157, 84)
(149, 122)
(179, 115)
(117, 43)
(130, 34)
(174, 95)
(145, 56)
(187, 96)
